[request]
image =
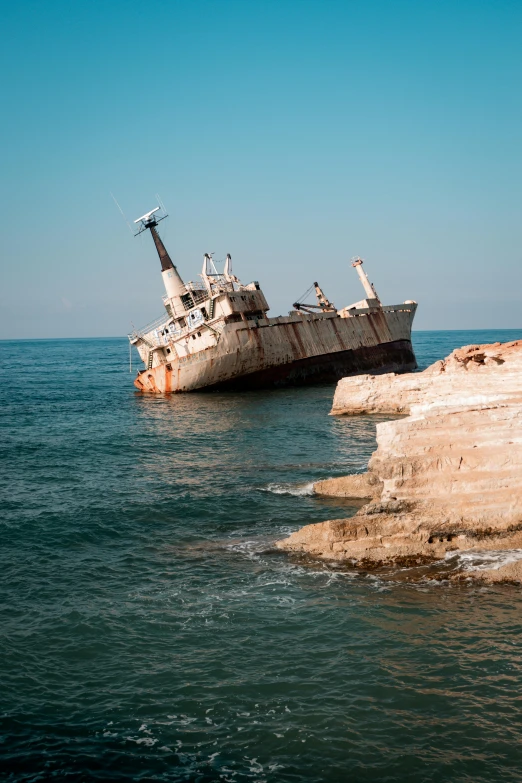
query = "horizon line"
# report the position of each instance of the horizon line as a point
(122, 337)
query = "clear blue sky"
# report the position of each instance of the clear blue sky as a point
(292, 134)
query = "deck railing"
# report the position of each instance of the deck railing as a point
(150, 327)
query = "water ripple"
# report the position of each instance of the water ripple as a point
(150, 631)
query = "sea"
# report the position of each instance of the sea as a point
(149, 631)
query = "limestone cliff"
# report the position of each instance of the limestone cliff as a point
(469, 375)
(447, 477)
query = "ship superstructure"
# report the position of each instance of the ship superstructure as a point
(216, 333)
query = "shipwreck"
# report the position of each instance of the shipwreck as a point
(215, 333)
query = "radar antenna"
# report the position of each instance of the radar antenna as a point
(150, 220)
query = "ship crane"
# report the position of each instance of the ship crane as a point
(323, 303)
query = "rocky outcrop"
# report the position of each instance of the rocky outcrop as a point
(447, 477)
(362, 486)
(469, 374)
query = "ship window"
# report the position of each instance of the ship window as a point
(168, 350)
(193, 336)
(188, 301)
(199, 334)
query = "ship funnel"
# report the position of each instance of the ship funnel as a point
(369, 288)
(174, 285)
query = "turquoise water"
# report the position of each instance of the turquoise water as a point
(150, 632)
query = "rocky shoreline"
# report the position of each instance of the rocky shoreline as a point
(445, 478)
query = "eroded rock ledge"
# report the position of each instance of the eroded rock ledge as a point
(471, 374)
(360, 486)
(447, 477)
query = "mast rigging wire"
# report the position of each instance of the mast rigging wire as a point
(302, 299)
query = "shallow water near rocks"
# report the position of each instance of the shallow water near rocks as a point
(149, 631)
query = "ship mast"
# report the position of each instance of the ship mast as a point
(369, 288)
(174, 285)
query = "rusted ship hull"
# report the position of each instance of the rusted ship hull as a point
(391, 357)
(292, 351)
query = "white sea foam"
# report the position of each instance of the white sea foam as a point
(149, 741)
(481, 561)
(250, 549)
(256, 766)
(290, 489)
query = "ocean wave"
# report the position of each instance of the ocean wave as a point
(482, 561)
(249, 548)
(290, 489)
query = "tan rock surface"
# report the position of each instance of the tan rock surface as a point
(451, 472)
(362, 486)
(469, 374)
